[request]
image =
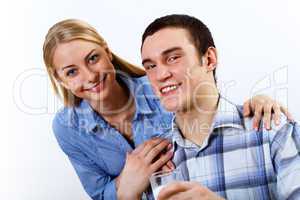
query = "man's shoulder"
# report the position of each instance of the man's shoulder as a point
(276, 131)
(248, 121)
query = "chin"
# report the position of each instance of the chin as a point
(96, 97)
(171, 103)
(171, 106)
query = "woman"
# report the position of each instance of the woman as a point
(109, 110)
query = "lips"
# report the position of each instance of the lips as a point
(168, 89)
(96, 87)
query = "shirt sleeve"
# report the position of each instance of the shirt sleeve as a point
(95, 181)
(285, 152)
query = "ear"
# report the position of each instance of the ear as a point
(211, 58)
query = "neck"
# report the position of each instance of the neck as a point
(195, 123)
(118, 104)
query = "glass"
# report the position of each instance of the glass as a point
(160, 179)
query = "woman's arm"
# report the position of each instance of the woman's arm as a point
(97, 184)
(134, 178)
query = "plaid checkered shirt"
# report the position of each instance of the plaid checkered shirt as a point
(237, 162)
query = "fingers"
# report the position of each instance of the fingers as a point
(284, 110)
(191, 194)
(171, 165)
(156, 150)
(174, 188)
(276, 116)
(186, 190)
(257, 116)
(167, 167)
(262, 104)
(267, 109)
(169, 147)
(246, 109)
(267, 115)
(179, 196)
(144, 148)
(161, 161)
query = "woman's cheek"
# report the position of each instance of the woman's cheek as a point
(76, 86)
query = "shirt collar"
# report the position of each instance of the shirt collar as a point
(228, 115)
(136, 88)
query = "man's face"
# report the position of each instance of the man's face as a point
(173, 67)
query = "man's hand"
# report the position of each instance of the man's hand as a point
(187, 190)
(140, 164)
(262, 107)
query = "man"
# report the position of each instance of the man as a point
(214, 145)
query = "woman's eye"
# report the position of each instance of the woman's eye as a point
(93, 59)
(71, 72)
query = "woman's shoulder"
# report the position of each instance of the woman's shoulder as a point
(65, 116)
(79, 119)
(142, 85)
(141, 79)
(63, 122)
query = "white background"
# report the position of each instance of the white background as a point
(258, 43)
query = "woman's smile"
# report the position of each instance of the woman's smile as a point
(98, 86)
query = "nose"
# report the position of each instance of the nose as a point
(163, 72)
(90, 75)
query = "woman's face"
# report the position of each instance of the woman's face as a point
(84, 68)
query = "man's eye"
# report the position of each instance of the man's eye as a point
(93, 59)
(71, 72)
(150, 66)
(172, 59)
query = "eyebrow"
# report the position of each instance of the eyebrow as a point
(165, 52)
(88, 55)
(85, 58)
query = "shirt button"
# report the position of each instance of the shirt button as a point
(95, 129)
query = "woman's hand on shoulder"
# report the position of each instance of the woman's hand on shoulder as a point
(262, 107)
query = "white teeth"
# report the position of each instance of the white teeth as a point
(169, 88)
(93, 86)
(100, 80)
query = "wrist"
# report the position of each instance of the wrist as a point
(124, 193)
(125, 196)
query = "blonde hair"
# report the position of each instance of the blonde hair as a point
(73, 29)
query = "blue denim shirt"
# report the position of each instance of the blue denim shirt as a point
(96, 150)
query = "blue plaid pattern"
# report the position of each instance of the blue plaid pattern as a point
(238, 162)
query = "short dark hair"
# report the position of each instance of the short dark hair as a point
(199, 33)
